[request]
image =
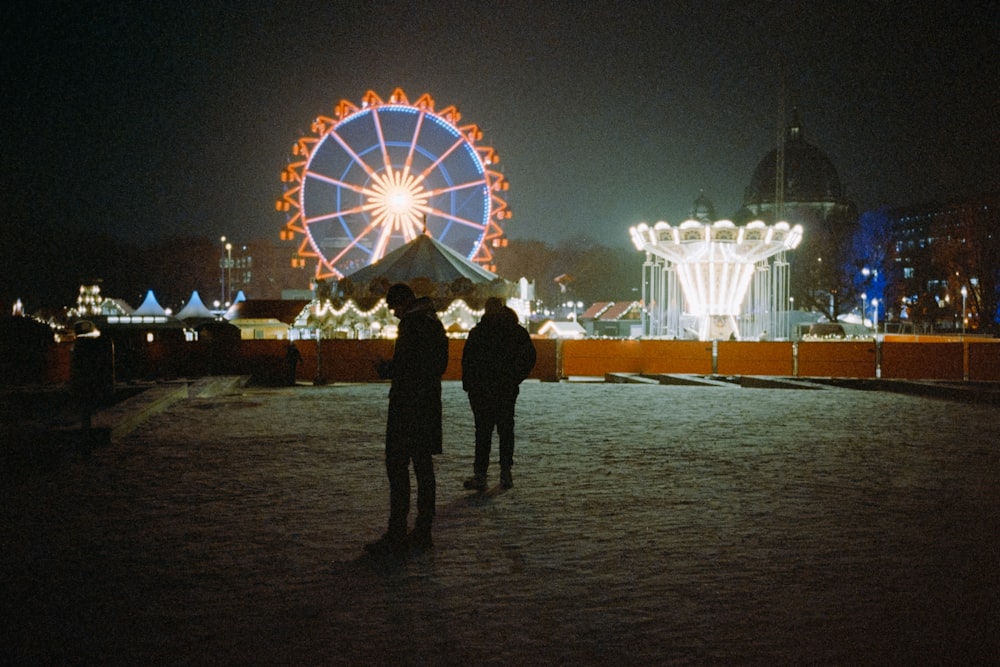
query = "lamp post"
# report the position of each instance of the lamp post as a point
(229, 269)
(875, 316)
(865, 272)
(222, 270)
(791, 308)
(965, 293)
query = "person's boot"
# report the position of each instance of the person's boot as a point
(419, 538)
(390, 544)
(506, 480)
(475, 483)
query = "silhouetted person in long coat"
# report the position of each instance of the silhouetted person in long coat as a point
(498, 356)
(413, 428)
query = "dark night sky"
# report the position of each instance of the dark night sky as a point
(138, 119)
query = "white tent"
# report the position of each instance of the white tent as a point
(195, 309)
(150, 306)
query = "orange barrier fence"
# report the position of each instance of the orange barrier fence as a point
(688, 357)
(57, 363)
(356, 360)
(546, 362)
(922, 361)
(597, 357)
(976, 359)
(847, 359)
(900, 358)
(983, 360)
(755, 358)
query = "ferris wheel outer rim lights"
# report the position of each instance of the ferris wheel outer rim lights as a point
(386, 183)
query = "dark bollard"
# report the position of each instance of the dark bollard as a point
(92, 375)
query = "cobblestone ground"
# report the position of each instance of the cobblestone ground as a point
(647, 525)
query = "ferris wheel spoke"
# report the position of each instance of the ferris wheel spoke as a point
(413, 142)
(376, 118)
(414, 225)
(383, 242)
(354, 156)
(455, 188)
(454, 218)
(363, 208)
(441, 158)
(354, 243)
(338, 182)
(383, 147)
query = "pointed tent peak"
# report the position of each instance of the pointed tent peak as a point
(459, 262)
(195, 309)
(240, 296)
(423, 257)
(150, 306)
(195, 300)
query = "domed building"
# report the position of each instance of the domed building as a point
(797, 183)
(811, 187)
(702, 209)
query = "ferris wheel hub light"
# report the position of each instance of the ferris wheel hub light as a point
(399, 201)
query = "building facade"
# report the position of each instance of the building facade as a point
(944, 263)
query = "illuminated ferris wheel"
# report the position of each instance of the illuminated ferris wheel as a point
(375, 176)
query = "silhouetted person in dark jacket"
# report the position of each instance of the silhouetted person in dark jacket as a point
(413, 428)
(292, 359)
(498, 356)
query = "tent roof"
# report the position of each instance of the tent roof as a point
(423, 257)
(562, 329)
(608, 310)
(596, 310)
(150, 306)
(617, 310)
(116, 307)
(283, 310)
(195, 309)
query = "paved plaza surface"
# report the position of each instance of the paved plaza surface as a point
(648, 525)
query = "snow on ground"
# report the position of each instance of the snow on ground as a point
(648, 525)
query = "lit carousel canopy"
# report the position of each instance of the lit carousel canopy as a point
(715, 263)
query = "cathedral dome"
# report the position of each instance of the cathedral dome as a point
(702, 209)
(809, 174)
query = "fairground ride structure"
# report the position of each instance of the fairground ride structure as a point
(715, 281)
(373, 177)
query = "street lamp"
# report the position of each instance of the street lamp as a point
(791, 324)
(875, 316)
(222, 269)
(965, 293)
(229, 267)
(864, 297)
